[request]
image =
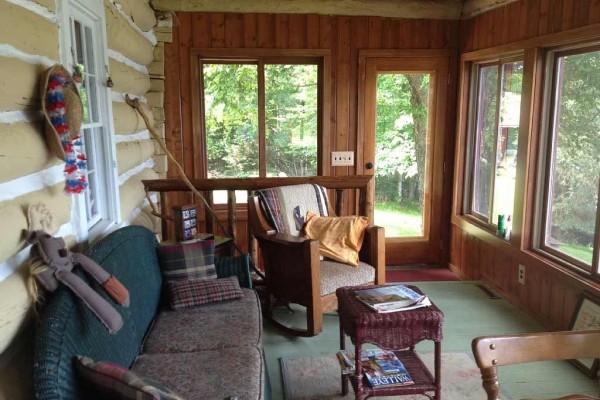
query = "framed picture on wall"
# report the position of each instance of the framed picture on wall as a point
(587, 316)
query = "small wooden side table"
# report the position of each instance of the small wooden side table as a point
(398, 331)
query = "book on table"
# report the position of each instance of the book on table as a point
(392, 298)
(381, 368)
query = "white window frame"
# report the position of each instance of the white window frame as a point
(109, 208)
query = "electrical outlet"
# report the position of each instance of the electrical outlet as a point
(342, 158)
(521, 277)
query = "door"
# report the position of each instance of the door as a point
(402, 108)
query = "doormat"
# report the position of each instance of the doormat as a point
(312, 378)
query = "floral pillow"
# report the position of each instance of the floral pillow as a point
(117, 382)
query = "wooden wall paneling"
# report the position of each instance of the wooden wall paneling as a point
(594, 16)
(297, 31)
(313, 31)
(533, 17)
(506, 24)
(250, 31)
(523, 19)
(386, 33)
(282, 31)
(328, 29)
(200, 30)
(544, 16)
(422, 40)
(374, 33)
(343, 91)
(217, 30)
(438, 34)
(581, 13)
(555, 16)
(567, 15)
(234, 32)
(265, 33)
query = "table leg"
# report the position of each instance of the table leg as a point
(438, 370)
(343, 347)
(358, 370)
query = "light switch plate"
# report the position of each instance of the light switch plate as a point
(342, 158)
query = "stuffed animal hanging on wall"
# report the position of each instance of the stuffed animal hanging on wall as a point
(58, 264)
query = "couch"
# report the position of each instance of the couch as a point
(209, 352)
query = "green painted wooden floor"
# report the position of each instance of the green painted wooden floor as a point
(469, 312)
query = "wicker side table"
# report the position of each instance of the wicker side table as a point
(397, 331)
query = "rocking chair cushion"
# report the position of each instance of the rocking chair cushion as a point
(340, 238)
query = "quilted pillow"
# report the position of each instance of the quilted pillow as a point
(118, 382)
(188, 294)
(188, 260)
(340, 238)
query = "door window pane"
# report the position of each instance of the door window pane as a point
(401, 153)
(291, 114)
(574, 168)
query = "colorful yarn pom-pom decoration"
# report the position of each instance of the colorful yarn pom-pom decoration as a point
(72, 144)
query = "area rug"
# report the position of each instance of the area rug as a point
(312, 378)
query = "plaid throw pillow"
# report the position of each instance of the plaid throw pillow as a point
(187, 294)
(117, 382)
(188, 260)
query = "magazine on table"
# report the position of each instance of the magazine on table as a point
(392, 298)
(381, 368)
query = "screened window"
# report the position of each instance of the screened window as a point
(261, 118)
(570, 171)
(494, 129)
(83, 51)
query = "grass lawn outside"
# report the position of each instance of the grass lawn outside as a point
(399, 219)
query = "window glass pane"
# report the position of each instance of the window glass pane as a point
(508, 137)
(485, 138)
(231, 118)
(291, 119)
(575, 169)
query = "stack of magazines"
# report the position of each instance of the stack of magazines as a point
(392, 298)
(381, 368)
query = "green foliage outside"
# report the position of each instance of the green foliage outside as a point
(232, 119)
(572, 219)
(401, 137)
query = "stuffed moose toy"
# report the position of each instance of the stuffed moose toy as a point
(60, 263)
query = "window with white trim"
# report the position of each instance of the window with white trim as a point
(83, 48)
(568, 217)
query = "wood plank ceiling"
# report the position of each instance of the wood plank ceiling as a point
(418, 9)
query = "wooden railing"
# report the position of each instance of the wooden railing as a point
(362, 184)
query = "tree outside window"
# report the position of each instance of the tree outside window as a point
(260, 119)
(572, 168)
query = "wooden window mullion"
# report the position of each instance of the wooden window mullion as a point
(262, 140)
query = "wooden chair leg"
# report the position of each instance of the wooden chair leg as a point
(490, 383)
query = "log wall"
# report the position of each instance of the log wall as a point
(550, 292)
(31, 174)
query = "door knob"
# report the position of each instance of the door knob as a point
(369, 165)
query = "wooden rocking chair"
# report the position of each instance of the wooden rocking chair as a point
(294, 272)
